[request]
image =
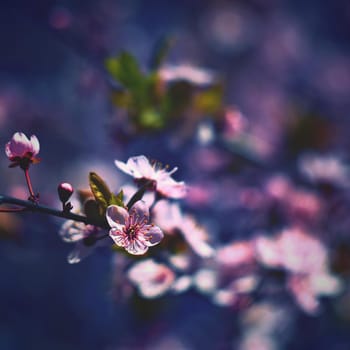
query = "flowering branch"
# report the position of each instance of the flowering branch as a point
(33, 207)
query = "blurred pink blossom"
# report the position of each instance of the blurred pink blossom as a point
(294, 250)
(300, 205)
(307, 288)
(79, 233)
(186, 72)
(236, 254)
(322, 168)
(151, 278)
(171, 219)
(141, 169)
(234, 123)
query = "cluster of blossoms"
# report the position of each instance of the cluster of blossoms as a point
(139, 217)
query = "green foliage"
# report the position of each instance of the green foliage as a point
(150, 103)
(103, 196)
(125, 69)
(160, 52)
(210, 100)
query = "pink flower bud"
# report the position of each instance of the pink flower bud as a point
(22, 151)
(65, 190)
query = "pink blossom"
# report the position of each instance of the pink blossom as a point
(130, 229)
(234, 123)
(323, 168)
(151, 278)
(170, 217)
(197, 237)
(299, 204)
(236, 254)
(141, 169)
(307, 288)
(80, 233)
(22, 151)
(186, 72)
(294, 250)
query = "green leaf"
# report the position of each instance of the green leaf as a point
(100, 190)
(121, 99)
(117, 199)
(209, 101)
(177, 99)
(125, 69)
(150, 118)
(160, 52)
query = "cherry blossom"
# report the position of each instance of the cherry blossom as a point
(142, 170)
(186, 72)
(151, 278)
(131, 230)
(22, 151)
(84, 236)
(171, 219)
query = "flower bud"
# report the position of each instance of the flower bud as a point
(22, 151)
(65, 190)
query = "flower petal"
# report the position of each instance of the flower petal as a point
(8, 151)
(153, 235)
(80, 252)
(34, 145)
(72, 231)
(116, 216)
(139, 212)
(19, 145)
(123, 167)
(119, 237)
(140, 167)
(172, 189)
(136, 247)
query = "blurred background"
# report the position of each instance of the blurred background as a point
(266, 149)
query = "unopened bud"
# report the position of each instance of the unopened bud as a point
(65, 190)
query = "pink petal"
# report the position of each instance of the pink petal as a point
(8, 151)
(141, 166)
(19, 145)
(172, 189)
(119, 237)
(153, 235)
(80, 252)
(116, 216)
(136, 247)
(123, 167)
(34, 145)
(139, 212)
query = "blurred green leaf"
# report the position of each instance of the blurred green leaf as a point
(125, 69)
(121, 99)
(150, 118)
(209, 101)
(177, 99)
(160, 52)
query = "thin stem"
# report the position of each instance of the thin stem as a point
(29, 184)
(138, 195)
(12, 210)
(34, 207)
